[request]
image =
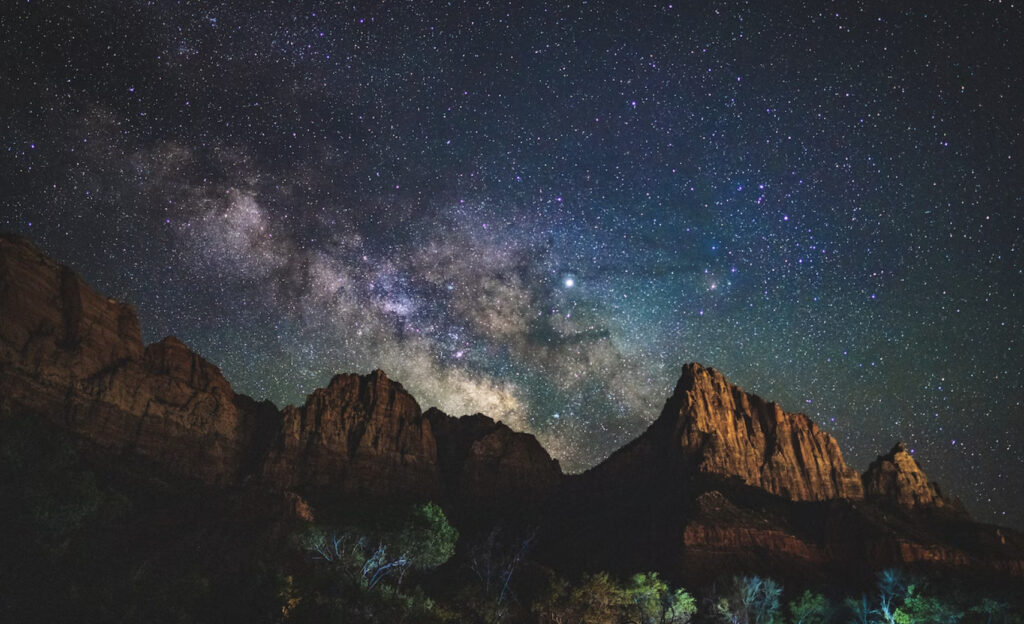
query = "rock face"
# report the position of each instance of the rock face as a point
(71, 355)
(897, 479)
(730, 432)
(358, 436)
(721, 478)
(491, 464)
(724, 480)
(711, 426)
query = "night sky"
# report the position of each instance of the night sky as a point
(541, 212)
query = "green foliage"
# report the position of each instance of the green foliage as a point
(649, 600)
(599, 599)
(422, 540)
(427, 538)
(922, 609)
(810, 608)
(101, 546)
(893, 589)
(360, 575)
(995, 612)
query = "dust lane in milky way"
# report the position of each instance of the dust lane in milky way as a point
(540, 212)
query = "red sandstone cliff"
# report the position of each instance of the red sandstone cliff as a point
(896, 479)
(75, 357)
(711, 426)
(721, 478)
(359, 435)
(491, 464)
(70, 354)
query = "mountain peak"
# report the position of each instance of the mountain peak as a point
(695, 373)
(896, 478)
(729, 432)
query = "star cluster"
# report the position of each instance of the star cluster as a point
(539, 211)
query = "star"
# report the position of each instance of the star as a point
(547, 232)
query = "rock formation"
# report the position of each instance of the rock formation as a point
(71, 355)
(725, 480)
(492, 464)
(711, 426)
(897, 479)
(720, 478)
(361, 435)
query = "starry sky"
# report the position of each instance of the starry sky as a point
(540, 211)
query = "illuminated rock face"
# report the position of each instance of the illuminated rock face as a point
(896, 478)
(721, 480)
(75, 357)
(732, 433)
(711, 426)
(361, 435)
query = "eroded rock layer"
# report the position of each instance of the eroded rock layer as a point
(362, 435)
(492, 464)
(721, 480)
(711, 426)
(71, 355)
(896, 479)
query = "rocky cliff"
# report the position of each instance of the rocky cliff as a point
(492, 464)
(725, 480)
(896, 479)
(711, 426)
(361, 435)
(720, 480)
(71, 355)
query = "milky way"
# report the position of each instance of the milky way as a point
(540, 212)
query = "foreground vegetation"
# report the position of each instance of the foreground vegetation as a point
(92, 545)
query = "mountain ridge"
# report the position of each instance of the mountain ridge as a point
(720, 475)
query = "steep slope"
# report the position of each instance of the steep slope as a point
(76, 357)
(489, 463)
(72, 356)
(721, 481)
(896, 479)
(711, 426)
(724, 480)
(361, 435)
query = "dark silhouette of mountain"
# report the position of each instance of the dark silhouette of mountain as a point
(721, 480)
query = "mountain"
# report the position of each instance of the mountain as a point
(75, 357)
(711, 426)
(722, 480)
(896, 479)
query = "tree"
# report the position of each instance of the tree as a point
(649, 600)
(361, 572)
(495, 560)
(918, 608)
(597, 600)
(760, 597)
(860, 610)
(810, 608)
(426, 539)
(995, 612)
(753, 600)
(423, 540)
(892, 589)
